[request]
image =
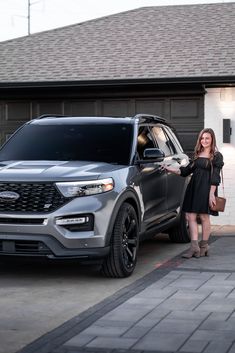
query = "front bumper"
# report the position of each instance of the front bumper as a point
(40, 231)
(32, 245)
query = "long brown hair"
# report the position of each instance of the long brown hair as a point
(198, 148)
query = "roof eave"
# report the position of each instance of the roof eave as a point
(207, 81)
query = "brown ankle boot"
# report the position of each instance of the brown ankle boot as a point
(204, 248)
(193, 251)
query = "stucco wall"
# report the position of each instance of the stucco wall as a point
(220, 105)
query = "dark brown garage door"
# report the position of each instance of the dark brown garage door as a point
(186, 114)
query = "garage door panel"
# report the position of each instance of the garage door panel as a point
(2, 112)
(18, 111)
(156, 107)
(184, 109)
(50, 108)
(80, 108)
(115, 107)
(188, 140)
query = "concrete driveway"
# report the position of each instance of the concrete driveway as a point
(36, 298)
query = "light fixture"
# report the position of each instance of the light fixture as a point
(76, 223)
(227, 94)
(227, 130)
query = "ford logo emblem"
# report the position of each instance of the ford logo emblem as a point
(9, 195)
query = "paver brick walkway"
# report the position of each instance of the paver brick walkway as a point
(183, 306)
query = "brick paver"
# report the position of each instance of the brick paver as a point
(186, 308)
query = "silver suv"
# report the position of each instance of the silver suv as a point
(90, 188)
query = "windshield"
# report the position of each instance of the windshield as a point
(105, 143)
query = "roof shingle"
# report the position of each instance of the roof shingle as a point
(150, 42)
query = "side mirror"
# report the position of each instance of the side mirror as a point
(152, 155)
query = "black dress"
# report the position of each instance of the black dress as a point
(204, 174)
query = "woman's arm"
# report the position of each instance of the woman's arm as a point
(217, 165)
(172, 170)
(212, 201)
(180, 170)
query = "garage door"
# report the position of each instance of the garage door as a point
(185, 114)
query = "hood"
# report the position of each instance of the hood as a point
(54, 170)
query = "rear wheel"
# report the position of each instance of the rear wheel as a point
(180, 232)
(121, 260)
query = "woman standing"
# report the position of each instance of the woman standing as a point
(202, 189)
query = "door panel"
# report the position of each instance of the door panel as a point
(184, 108)
(18, 111)
(80, 108)
(174, 157)
(115, 107)
(153, 183)
(186, 115)
(150, 106)
(175, 184)
(50, 107)
(152, 179)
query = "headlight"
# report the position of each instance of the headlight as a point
(85, 188)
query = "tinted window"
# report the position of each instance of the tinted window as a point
(145, 140)
(163, 141)
(174, 140)
(105, 143)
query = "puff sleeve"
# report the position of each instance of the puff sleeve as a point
(217, 164)
(185, 171)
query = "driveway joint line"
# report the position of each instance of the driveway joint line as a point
(178, 350)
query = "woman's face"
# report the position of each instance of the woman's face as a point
(206, 140)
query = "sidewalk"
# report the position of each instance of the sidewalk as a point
(182, 306)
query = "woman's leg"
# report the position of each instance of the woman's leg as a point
(206, 226)
(206, 231)
(194, 250)
(193, 226)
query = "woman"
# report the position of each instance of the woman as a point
(202, 189)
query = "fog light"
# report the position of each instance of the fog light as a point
(76, 223)
(68, 221)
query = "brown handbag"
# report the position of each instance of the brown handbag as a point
(220, 202)
(219, 205)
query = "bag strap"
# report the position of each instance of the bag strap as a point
(222, 175)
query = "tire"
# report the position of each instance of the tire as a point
(122, 258)
(180, 232)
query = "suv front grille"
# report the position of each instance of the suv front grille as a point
(33, 197)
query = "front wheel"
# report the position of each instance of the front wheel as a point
(121, 260)
(180, 232)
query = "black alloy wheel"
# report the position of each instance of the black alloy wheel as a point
(122, 258)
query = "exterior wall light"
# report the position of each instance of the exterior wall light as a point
(227, 94)
(227, 130)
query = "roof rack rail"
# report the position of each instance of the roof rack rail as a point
(51, 116)
(151, 116)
